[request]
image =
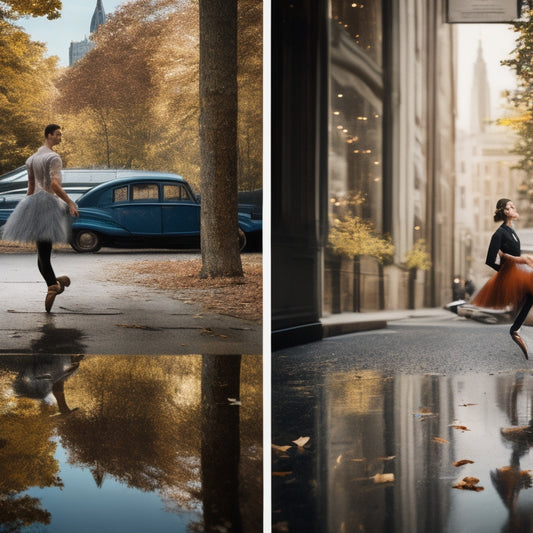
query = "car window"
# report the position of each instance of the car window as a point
(172, 193)
(120, 194)
(144, 192)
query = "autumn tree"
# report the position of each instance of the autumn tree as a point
(250, 95)
(131, 101)
(353, 237)
(14, 9)
(25, 95)
(521, 61)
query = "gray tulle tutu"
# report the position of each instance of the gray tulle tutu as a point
(39, 217)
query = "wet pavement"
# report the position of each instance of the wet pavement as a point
(98, 316)
(130, 443)
(373, 432)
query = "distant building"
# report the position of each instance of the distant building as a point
(79, 49)
(485, 171)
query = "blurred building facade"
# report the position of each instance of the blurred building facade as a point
(486, 171)
(363, 107)
(79, 49)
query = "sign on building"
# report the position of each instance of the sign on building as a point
(483, 11)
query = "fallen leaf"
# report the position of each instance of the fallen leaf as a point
(234, 401)
(463, 462)
(462, 428)
(466, 404)
(389, 458)
(281, 474)
(383, 478)
(280, 448)
(442, 441)
(469, 483)
(301, 441)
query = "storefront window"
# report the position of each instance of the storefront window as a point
(355, 179)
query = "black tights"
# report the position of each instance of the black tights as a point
(522, 314)
(44, 253)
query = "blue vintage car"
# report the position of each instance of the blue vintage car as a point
(152, 210)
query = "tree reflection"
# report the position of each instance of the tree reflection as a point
(510, 480)
(161, 424)
(138, 424)
(26, 446)
(221, 442)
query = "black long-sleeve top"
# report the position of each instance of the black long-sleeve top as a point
(506, 240)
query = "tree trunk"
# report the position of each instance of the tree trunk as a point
(411, 288)
(356, 284)
(218, 138)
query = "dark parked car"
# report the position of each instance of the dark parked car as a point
(135, 215)
(152, 210)
(75, 181)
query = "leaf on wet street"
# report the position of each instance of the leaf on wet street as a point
(301, 441)
(462, 428)
(463, 462)
(389, 458)
(442, 441)
(466, 404)
(469, 483)
(383, 478)
(234, 401)
(282, 449)
(424, 412)
(282, 474)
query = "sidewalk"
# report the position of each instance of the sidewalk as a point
(96, 316)
(343, 323)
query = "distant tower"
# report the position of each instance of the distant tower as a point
(78, 49)
(480, 102)
(98, 16)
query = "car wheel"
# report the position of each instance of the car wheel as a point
(242, 240)
(86, 241)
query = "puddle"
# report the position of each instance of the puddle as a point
(130, 443)
(382, 450)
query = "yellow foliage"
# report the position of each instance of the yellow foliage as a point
(353, 236)
(418, 257)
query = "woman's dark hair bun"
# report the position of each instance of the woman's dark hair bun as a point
(499, 214)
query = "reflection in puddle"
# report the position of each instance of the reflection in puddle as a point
(130, 443)
(385, 453)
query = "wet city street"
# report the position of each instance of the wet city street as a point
(423, 426)
(130, 443)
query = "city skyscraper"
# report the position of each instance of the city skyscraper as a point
(80, 48)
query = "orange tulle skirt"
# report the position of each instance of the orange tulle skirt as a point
(507, 288)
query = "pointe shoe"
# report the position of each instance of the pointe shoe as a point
(54, 290)
(64, 281)
(516, 337)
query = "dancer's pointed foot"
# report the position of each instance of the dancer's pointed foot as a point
(54, 290)
(516, 337)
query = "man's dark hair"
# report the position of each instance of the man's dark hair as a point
(49, 130)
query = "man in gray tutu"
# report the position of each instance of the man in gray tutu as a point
(43, 215)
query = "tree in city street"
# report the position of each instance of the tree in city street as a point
(354, 237)
(417, 258)
(218, 138)
(521, 61)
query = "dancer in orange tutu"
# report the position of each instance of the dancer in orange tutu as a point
(512, 285)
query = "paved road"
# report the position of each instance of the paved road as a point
(439, 342)
(96, 316)
(384, 416)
